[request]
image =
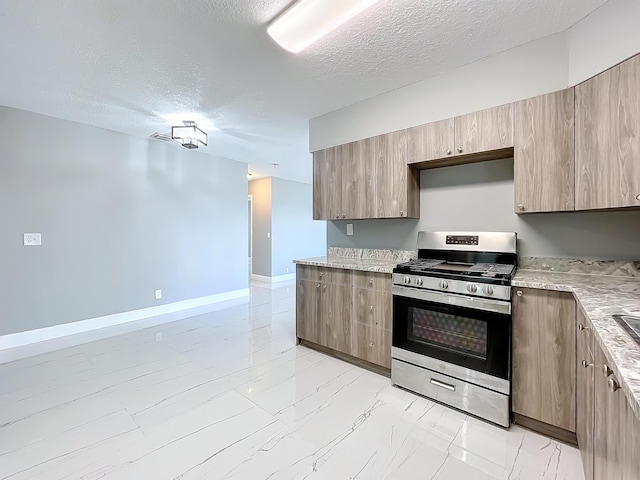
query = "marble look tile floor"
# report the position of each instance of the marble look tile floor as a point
(228, 395)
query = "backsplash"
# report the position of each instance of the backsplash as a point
(371, 254)
(580, 265)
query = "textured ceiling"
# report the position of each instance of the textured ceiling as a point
(133, 66)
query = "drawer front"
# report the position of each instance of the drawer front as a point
(374, 280)
(373, 307)
(338, 276)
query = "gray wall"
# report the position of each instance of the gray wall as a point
(261, 258)
(295, 233)
(119, 217)
(480, 197)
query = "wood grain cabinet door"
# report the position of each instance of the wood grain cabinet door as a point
(544, 153)
(430, 141)
(308, 310)
(610, 420)
(397, 185)
(483, 131)
(335, 320)
(358, 179)
(544, 352)
(617, 427)
(584, 392)
(608, 138)
(321, 175)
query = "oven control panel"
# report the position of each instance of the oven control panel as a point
(462, 240)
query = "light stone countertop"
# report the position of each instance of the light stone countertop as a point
(362, 264)
(601, 296)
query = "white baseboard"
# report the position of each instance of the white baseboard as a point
(146, 316)
(278, 279)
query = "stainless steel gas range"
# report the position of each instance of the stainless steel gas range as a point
(452, 321)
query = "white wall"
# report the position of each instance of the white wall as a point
(119, 216)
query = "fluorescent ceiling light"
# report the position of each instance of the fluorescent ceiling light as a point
(310, 20)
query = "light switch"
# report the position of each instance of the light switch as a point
(32, 239)
(349, 228)
(268, 234)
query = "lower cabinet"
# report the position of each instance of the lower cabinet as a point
(543, 357)
(585, 378)
(608, 429)
(348, 311)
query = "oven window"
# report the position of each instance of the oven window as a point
(450, 332)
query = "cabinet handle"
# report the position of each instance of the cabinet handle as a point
(459, 149)
(321, 274)
(613, 385)
(318, 286)
(585, 364)
(371, 307)
(581, 327)
(520, 206)
(337, 215)
(324, 287)
(519, 293)
(344, 215)
(638, 197)
(448, 151)
(438, 383)
(371, 344)
(402, 213)
(606, 370)
(371, 281)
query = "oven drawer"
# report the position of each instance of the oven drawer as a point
(479, 401)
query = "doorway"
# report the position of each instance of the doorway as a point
(250, 230)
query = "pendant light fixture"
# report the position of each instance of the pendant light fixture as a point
(189, 135)
(307, 21)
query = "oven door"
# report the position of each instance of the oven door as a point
(474, 333)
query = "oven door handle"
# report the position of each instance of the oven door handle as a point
(486, 304)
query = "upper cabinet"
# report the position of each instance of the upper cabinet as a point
(431, 141)
(365, 179)
(484, 131)
(544, 153)
(468, 138)
(397, 186)
(608, 139)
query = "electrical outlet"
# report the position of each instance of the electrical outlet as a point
(158, 294)
(159, 337)
(32, 239)
(287, 269)
(349, 228)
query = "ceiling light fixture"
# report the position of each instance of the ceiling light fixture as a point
(189, 135)
(309, 20)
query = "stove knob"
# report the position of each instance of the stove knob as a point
(419, 281)
(407, 280)
(472, 288)
(488, 290)
(444, 284)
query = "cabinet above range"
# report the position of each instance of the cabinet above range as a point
(477, 136)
